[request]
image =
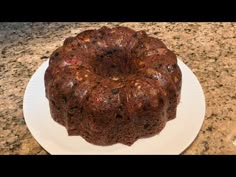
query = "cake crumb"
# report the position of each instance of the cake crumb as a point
(115, 78)
(86, 40)
(176, 79)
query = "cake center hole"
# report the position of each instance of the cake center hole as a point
(114, 63)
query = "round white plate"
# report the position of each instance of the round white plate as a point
(177, 135)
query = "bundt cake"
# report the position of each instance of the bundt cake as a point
(113, 85)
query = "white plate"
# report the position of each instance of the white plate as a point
(177, 135)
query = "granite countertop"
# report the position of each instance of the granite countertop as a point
(209, 49)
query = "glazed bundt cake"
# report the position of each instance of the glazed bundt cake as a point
(113, 85)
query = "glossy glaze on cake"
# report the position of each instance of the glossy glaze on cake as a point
(113, 85)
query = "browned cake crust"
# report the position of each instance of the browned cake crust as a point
(113, 85)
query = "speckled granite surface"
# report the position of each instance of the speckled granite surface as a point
(209, 49)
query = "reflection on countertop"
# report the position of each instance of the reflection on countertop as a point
(209, 49)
